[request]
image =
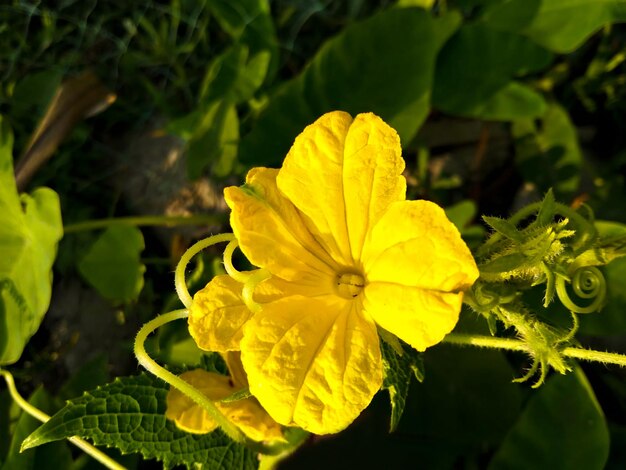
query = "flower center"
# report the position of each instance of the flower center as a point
(349, 284)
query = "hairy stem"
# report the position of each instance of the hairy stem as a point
(238, 276)
(179, 276)
(39, 415)
(517, 345)
(192, 392)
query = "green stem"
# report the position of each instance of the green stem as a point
(179, 276)
(39, 415)
(491, 342)
(192, 392)
(149, 220)
(595, 356)
(238, 276)
(509, 344)
(247, 293)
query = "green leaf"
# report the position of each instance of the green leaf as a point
(215, 141)
(213, 362)
(561, 428)
(248, 22)
(129, 414)
(547, 210)
(504, 264)
(461, 215)
(547, 152)
(504, 227)
(559, 25)
(57, 452)
(30, 229)
(475, 73)
(112, 265)
(383, 64)
(398, 370)
(465, 405)
(234, 75)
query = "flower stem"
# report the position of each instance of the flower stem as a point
(491, 342)
(595, 356)
(179, 276)
(39, 415)
(192, 392)
(149, 220)
(509, 344)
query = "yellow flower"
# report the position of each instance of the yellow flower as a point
(346, 252)
(246, 414)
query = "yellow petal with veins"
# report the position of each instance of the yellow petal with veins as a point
(246, 414)
(312, 179)
(414, 244)
(217, 315)
(372, 175)
(271, 232)
(342, 174)
(420, 317)
(312, 362)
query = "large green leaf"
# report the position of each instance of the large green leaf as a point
(475, 73)
(559, 25)
(129, 414)
(30, 229)
(464, 406)
(113, 265)
(561, 428)
(547, 151)
(384, 64)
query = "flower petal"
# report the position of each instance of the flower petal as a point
(246, 414)
(188, 415)
(417, 316)
(252, 419)
(414, 244)
(342, 174)
(372, 175)
(312, 178)
(235, 369)
(312, 362)
(217, 315)
(272, 234)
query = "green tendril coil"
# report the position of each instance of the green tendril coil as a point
(587, 283)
